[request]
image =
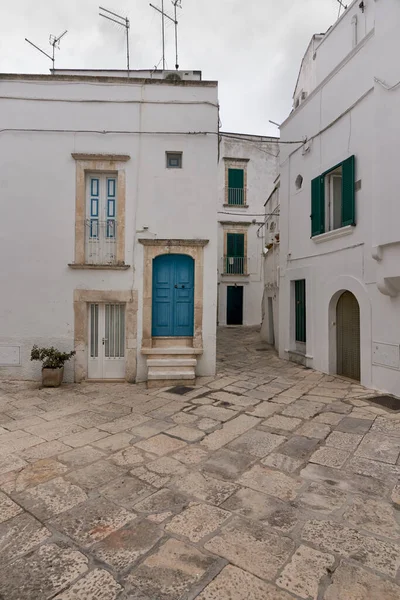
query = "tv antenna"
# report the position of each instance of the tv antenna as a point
(341, 5)
(54, 42)
(176, 4)
(123, 21)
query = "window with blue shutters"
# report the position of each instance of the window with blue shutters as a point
(101, 218)
(333, 198)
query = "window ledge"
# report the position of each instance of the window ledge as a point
(335, 233)
(236, 206)
(100, 267)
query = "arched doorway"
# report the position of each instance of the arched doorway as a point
(348, 336)
(173, 296)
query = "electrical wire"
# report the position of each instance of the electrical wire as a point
(84, 101)
(247, 215)
(271, 140)
(119, 132)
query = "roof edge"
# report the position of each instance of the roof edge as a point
(104, 79)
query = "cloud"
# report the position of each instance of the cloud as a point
(252, 47)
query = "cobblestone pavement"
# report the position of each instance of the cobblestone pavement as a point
(268, 482)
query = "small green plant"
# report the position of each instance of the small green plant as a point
(51, 357)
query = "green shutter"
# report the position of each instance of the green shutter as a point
(236, 187)
(348, 192)
(236, 178)
(317, 206)
(300, 300)
(235, 244)
(239, 244)
(230, 244)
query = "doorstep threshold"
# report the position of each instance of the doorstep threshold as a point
(172, 350)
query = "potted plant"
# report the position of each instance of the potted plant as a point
(52, 364)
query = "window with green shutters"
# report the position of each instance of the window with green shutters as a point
(236, 187)
(235, 257)
(333, 198)
(300, 309)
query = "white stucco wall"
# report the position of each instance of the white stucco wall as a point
(262, 166)
(358, 117)
(307, 78)
(326, 51)
(37, 182)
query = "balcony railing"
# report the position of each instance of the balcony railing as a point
(101, 242)
(236, 196)
(235, 265)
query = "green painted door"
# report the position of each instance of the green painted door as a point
(300, 310)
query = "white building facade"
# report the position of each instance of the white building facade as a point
(109, 228)
(248, 166)
(270, 301)
(340, 269)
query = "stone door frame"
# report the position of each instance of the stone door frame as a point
(82, 298)
(154, 248)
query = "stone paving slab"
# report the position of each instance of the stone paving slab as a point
(235, 584)
(92, 521)
(267, 482)
(122, 548)
(171, 571)
(98, 584)
(252, 547)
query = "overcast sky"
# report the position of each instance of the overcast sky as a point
(252, 47)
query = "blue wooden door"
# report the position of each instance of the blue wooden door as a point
(173, 295)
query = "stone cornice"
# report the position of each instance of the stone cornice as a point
(101, 157)
(158, 242)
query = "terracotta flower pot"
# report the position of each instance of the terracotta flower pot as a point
(52, 377)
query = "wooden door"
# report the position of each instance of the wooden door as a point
(348, 336)
(173, 296)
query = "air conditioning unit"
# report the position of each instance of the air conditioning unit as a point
(172, 77)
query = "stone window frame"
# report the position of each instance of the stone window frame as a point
(99, 163)
(154, 248)
(236, 163)
(82, 299)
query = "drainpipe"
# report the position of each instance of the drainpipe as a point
(354, 24)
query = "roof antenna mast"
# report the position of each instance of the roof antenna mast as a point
(123, 21)
(177, 4)
(54, 42)
(341, 5)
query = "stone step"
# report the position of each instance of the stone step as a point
(155, 374)
(171, 361)
(177, 342)
(176, 350)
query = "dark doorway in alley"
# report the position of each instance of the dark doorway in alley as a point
(234, 305)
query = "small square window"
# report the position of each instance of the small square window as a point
(174, 160)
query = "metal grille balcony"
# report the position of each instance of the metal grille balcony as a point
(101, 242)
(235, 265)
(236, 196)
